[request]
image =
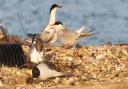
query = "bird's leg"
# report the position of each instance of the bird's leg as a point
(78, 45)
(29, 65)
(66, 46)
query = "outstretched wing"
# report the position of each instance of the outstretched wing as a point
(67, 37)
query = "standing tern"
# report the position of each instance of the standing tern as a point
(48, 33)
(35, 52)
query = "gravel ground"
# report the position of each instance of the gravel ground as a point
(85, 66)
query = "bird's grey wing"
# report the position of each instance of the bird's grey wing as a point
(67, 37)
(45, 36)
(53, 38)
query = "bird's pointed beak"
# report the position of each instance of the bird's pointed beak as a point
(59, 6)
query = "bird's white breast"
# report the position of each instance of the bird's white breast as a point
(46, 72)
(35, 56)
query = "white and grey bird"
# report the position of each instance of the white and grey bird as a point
(44, 72)
(68, 37)
(47, 35)
(35, 52)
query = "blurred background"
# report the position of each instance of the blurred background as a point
(108, 17)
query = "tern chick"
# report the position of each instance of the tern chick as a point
(44, 72)
(47, 34)
(68, 37)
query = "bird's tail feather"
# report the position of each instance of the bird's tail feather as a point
(91, 30)
(85, 34)
(79, 31)
(55, 73)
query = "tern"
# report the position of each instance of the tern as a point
(48, 32)
(35, 52)
(68, 37)
(44, 72)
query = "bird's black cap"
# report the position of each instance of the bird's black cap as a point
(35, 72)
(54, 6)
(58, 22)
